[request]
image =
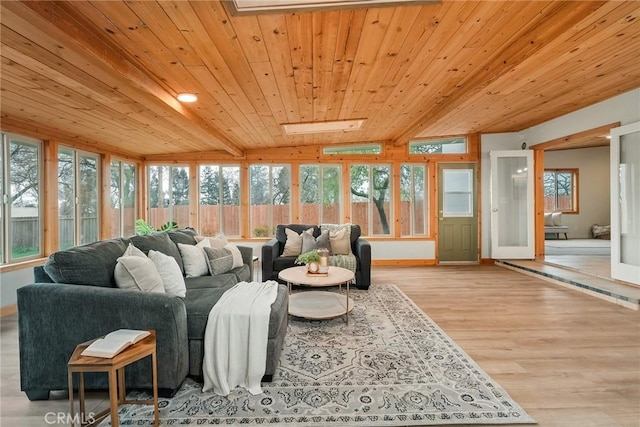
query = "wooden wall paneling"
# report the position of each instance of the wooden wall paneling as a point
(194, 196)
(50, 197)
(396, 194)
(346, 192)
(142, 197)
(104, 184)
(245, 192)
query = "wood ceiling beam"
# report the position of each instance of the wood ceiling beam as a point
(116, 60)
(524, 44)
(571, 140)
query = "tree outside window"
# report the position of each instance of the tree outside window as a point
(413, 200)
(123, 198)
(371, 198)
(219, 205)
(21, 234)
(561, 190)
(269, 198)
(320, 189)
(168, 195)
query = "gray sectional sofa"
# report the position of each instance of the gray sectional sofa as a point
(75, 299)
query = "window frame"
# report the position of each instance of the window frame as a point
(271, 224)
(320, 195)
(170, 206)
(221, 204)
(575, 175)
(121, 217)
(6, 235)
(437, 141)
(412, 220)
(370, 209)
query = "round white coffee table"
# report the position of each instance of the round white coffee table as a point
(318, 305)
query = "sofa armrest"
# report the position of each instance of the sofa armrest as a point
(270, 251)
(362, 250)
(54, 318)
(247, 257)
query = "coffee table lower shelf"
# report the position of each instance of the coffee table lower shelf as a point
(319, 305)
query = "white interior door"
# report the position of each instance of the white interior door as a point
(625, 203)
(512, 205)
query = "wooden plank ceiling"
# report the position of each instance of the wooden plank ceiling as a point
(105, 73)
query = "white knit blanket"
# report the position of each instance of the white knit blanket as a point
(235, 339)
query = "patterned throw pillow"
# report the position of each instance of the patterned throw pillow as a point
(220, 260)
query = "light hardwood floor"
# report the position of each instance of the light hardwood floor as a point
(567, 358)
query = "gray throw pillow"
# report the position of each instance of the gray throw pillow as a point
(310, 243)
(220, 260)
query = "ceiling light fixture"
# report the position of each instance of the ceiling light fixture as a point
(246, 7)
(187, 97)
(322, 127)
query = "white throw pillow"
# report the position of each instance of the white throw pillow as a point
(170, 273)
(557, 218)
(548, 220)
(133, 251)
(138, 272)
(217, 241)
(293, 245)
(237, 256)
(194, 258)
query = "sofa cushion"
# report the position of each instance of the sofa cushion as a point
(186, 236)
(91, 264)
(298, 228)
(138, 273)
(194, 259)
(283, 262)
(310, 242)
(169, 273)
(219, 260)
(198, 303)
(158, 242)
(205, 282)
(242, 273)
(293, 244)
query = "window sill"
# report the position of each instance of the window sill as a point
(22, 265)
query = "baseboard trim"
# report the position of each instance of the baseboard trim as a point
(403, 262)
(487, 261)
(8, 310)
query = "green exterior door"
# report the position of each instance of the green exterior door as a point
(457, 213)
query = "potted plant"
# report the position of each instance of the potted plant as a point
(311, 259)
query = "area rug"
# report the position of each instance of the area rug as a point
(390, 366)
(597, 247)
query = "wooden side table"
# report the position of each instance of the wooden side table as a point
(115, 368)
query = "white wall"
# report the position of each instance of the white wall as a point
(624, 108)
(593, 187)
(10, 281)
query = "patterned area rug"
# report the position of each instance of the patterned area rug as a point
(391, 365)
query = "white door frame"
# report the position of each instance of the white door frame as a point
(630, 225)
(499, 201)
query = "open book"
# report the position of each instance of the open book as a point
(114, 342)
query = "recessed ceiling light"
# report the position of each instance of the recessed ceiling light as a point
(321, 127)
(187, 97)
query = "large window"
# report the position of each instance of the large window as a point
(168, 195)
(219, 201)
(371, 198)
(269, 198)
(561, 190)
(77, 197)
(320, 194)
(123, 198)
(413, 200)
(21, 213)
